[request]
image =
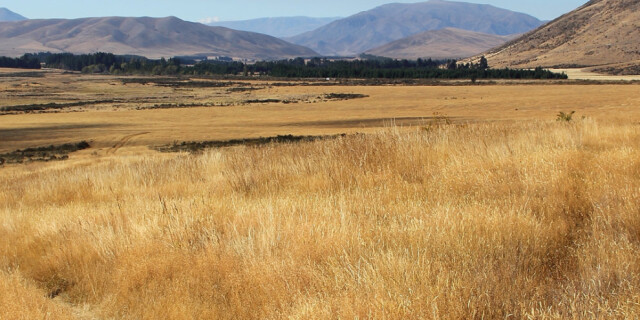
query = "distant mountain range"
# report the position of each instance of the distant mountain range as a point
(276, 27)
(440, 44)
(150, 37)
(434, 29)
(601, 32)
(8, 15)
(387, 23)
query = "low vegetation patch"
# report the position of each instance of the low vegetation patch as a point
(290, 100)
(264, 101)
(48, 153)
(50, 106)
(198, 146)
(184, 105)
(32, 74)
(177, 82)
(243, 89)
(324, 97)
(344, 96)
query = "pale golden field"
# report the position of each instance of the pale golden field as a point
(502, 213)
(107, 124)
(585, 74)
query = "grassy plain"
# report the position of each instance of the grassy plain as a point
(106, 124)
(502, 213)
(586, 74)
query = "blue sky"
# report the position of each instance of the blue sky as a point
(198, 10)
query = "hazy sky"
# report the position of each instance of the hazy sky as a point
(198, 10)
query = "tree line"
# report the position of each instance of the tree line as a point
(375, 68)
(367, 67)
(27, 61)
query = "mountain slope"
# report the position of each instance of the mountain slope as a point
(8, 15)
(373, 28)
(601, 32)
(276, 27)
(151, 37)
(440, 44)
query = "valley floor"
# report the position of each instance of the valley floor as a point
(475, 203)
(150, 111)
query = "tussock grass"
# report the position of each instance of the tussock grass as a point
(490, 220)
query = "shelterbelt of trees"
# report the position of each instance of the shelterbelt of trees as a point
(368, 67)
(27, 61)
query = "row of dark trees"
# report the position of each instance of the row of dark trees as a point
(109, 63)
(368, 67)
(68, 61)
(27, 61)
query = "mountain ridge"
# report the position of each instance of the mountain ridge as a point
(150, 37)
(381, 25)
(440, 44)
(280, 27)
(600, 32)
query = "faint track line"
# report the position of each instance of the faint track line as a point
(122, 142)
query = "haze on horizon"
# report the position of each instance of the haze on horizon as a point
(201, 10)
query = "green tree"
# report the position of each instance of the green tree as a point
(484, 64)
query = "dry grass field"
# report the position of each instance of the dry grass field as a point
(501, 212)
(106, 110)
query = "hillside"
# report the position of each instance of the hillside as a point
(276, 27)
(387, 23)
(8, 15)
(150, 37)
(440, 44)
(602, 32)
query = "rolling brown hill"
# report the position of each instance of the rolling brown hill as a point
(370, 29)
(599, 33)
(150, 37)
(440, 44)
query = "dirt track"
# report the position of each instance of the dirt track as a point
(124, 141)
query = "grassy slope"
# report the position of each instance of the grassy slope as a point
(467, 221)
(599, 33)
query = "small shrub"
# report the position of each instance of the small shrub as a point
(565, 117)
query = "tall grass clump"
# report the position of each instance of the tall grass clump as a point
(477, 221)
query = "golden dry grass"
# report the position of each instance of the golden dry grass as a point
(530, 219)
(109, 123)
